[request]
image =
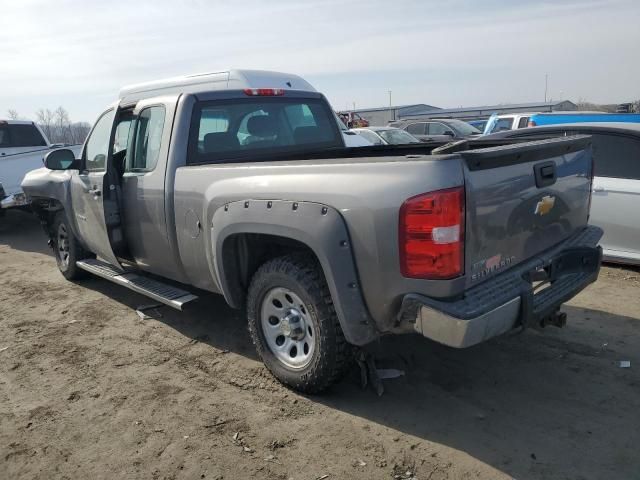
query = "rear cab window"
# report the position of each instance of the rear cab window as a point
(20, 135)
(250, 128)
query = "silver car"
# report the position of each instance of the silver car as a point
(615, 203)
(386, 135)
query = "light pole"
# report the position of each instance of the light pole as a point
(393, 113)
(546, 84)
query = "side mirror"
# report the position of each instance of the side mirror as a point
(450, 133)
(62, 159)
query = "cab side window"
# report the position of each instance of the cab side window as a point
(616, 156)
(97, 146)
(121, 137)
(148, 139)
(416, 128)
(503, 124)
(436, 129)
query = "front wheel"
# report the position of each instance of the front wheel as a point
(293, 324)
(67, 249)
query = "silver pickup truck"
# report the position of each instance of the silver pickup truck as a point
(239, 183)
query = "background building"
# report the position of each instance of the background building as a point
(384, 115)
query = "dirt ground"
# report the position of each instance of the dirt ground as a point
(89, 390)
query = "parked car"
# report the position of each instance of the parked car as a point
(556, 118)
(238, 183)
(509, 121)
(437, 130)
(23, 146)
(615, 206)
(386, 135)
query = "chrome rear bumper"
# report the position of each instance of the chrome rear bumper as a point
(509, 299)
(460, 333)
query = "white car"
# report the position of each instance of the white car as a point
(22, 147)
(615, 201)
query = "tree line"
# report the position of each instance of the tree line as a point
(57, 125)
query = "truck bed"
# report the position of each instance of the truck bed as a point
(368, 185)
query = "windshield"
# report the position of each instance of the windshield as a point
(397, 137)
(464, 128)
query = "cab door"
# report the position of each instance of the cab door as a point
(94, 193)
(616, 193)
(144, 191)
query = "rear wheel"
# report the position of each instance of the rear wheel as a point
(294, 326)
(67, 249)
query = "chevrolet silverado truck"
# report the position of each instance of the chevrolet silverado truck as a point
(239, 183)
(23, 146)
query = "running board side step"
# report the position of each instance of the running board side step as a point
(160, 292)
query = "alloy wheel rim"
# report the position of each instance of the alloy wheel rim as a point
(288, 328)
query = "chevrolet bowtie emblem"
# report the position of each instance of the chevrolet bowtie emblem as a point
(545, 205)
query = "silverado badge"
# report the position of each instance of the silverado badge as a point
(545, 205)
(488, 266)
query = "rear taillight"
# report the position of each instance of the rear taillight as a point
(431, 235)
(531, 123)
(264, 92)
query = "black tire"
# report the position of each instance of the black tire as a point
(331, 353)
(74, 250)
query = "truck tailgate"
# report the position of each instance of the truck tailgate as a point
(523, 199)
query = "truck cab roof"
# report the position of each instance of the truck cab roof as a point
(232, 79)
(15, 122)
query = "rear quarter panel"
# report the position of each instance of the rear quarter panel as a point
(367, 192)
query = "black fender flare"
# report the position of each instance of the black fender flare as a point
(322, 229)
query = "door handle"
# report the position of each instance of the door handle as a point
(94, 191)
(598, 188)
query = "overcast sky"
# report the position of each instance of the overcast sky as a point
(78, 53)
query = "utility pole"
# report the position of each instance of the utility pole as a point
(546, 85)
(390, 106)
